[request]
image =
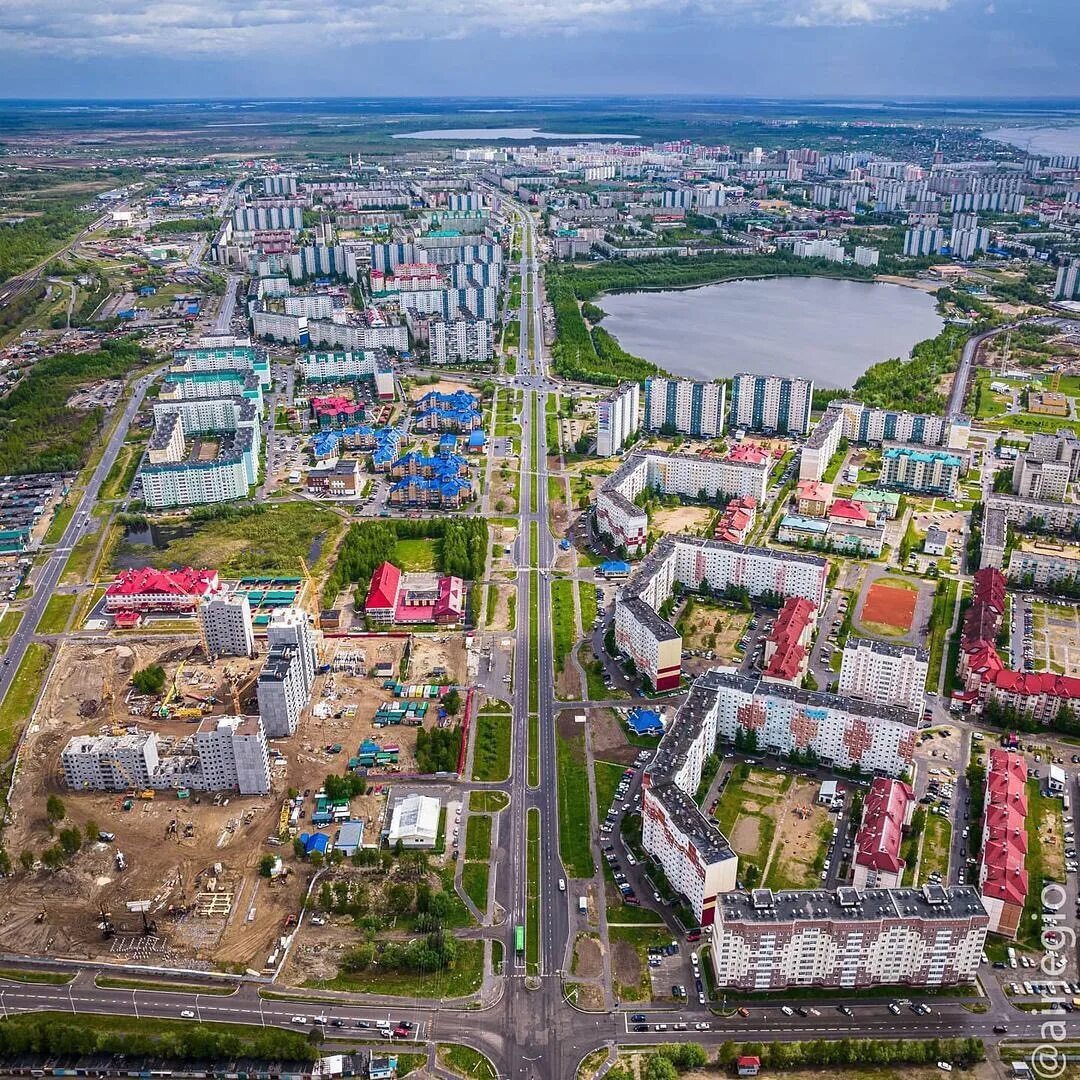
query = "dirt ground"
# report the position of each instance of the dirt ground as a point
(503, 475)
(609, 738)
(505, 586)
(443, 386)
(715, 628)
(682, 519)
(588, 957)
(171, 846)
(502, 537)
(799, 837)
(626, 967)
(345, 703)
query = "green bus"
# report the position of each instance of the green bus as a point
(519, 940)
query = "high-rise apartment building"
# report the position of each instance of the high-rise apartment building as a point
(884, 672)
(771, 403)
(225, 622)
(685, 407)
(617, 418)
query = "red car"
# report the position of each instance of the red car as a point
(400, 1032)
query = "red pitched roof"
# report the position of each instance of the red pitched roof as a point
(884, 810)
(183, 582)
(1005, 877)
(795, 616)
(384, 587)
(1034, 683)
(747, 453)
(849, 511)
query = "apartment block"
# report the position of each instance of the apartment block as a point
(617, 418)
(1035, 479)
(280, 691)
(771, 403)
(233, 755)
(881, 671)
(290, 626)
(110, 762)
(685, 407)
(933, 472)
(226, 625)
(850, 939)
(653, 643)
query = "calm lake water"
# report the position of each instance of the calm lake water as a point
(820, 328)
(1063, 139)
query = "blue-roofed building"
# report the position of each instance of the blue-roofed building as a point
(477, 441)
(448, 444)
(796, 529)
(916, 469)
(613, 568)
(645, 722)
(457, 412)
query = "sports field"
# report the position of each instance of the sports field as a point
(889, 608)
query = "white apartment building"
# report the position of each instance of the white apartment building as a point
(225, 622)
(695, 855)
(233, 755)
(880, 671)
(671, 474)
(617, 418)
(192, 483)
(867, 424)
(833, 250)
(290, 626)
(653, 644)
(167, 442)
(280, 691)
(771, 403)
(459, 340)
(685, 406)
(110, 762)
(933, 936)
(840, 731)
(822, 443)
(867, 256)
(1035, 479)
(319, 306)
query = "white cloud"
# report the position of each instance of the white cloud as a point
(243, 27)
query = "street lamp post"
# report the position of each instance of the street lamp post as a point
(198, 1014)
(135, 1004)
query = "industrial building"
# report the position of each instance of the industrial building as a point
(414, 821)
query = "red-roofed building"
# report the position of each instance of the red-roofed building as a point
(734, 525)
(748, 454)
(813, 497)
(787, 647)
(748, 1065)
(846, 512)
(169, 591)
(1038, 695)
(1003, 878)
(394, 597)
(887, 810)
(336, 411)
(382, 594)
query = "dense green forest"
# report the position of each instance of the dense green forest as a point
(28, 242)
(38, 432)
(460, 548)
(184, 225)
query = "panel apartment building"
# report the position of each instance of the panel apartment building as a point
(778, 403)
(653, 643)
(685, 407)
(671, 474)
(617, 418)
(765, 940)
(884, 672)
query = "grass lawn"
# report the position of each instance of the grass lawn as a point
(80, 561)
(62, 518)
(491, 751)
(534, 751)
(940, 620)
(8, 625)
(488, 802)
(562, 618)
(574, 846)
(738, 802)
(21, 695)
(606, 775)
(271, 541)
(465, 977)
(54, 978)
(587, 603)
(418, 554)
(937, 839)
(111, 983)
(478, 837)
(532, 893)
(465, 1061)
(474, 880)
(54, 618)
(641, 938)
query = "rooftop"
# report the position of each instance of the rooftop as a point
(847, 904)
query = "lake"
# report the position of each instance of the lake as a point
(1040, 140)
(824, 329)
(521, 133)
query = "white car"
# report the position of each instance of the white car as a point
(299, 1020)
(188, 1014)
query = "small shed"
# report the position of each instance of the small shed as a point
(748, 1065)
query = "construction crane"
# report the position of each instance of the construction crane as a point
(105, 923)
(239, 688)
(174, 692)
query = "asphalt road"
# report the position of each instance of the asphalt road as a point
(48, 576)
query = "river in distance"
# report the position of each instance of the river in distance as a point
(825, 329)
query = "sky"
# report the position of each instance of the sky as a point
(786, 48)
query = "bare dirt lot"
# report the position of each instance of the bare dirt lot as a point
(609, 738)
(802, 836)
(713, 628)
(195, 860)
(588, 957)
(682, 519)
(443, 386)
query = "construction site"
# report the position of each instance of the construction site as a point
(176, 876)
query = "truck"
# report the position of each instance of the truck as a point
(583, 905)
